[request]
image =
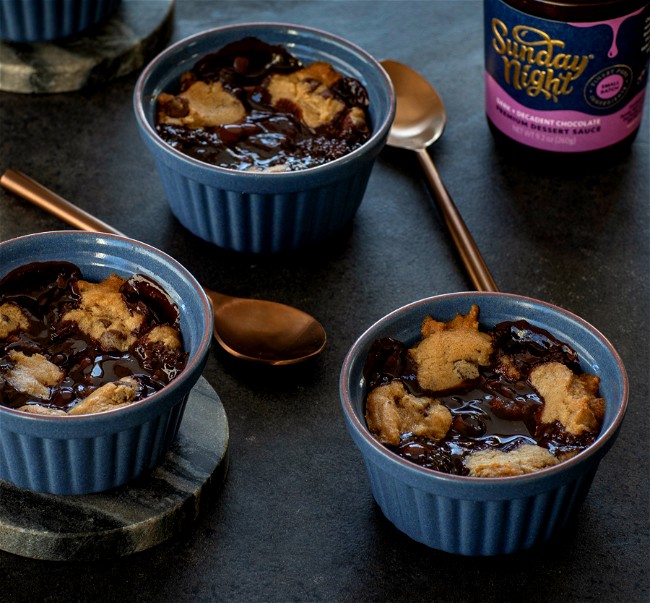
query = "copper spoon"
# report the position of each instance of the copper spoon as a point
(251, 329)
(419, 121)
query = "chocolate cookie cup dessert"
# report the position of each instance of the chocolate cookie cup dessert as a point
(482, 418)
(264, 134)
(102, 339)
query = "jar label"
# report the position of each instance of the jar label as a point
(567, 87)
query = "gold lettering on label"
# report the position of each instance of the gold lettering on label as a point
(534, 62)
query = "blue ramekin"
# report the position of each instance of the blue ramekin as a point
(44, 20)
(473, 515)
(92, 453)
(265, 212)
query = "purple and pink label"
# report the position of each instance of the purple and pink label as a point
(567, 87)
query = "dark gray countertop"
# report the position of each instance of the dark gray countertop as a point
(295, 519)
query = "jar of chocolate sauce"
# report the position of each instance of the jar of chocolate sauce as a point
(566, 78)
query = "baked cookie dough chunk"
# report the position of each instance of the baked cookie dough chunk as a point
(450, 353)
(497, 463)
(165, 336)
(201, 105)
(161, 350)
(39, 409)
(392, 411)
(33, 375)
(109, 396)
(12, 319)
(570, 399)
(309, 91)
(104, 315)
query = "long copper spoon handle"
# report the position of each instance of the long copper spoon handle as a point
(36, 193)
(474, 263)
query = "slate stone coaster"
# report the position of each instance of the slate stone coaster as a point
(131, 518)
(126, 41)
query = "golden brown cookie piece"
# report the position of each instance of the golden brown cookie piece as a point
(273, 169)
(460, 322)
(497, 463)
(570, 399)
(392, 411)
(450, 353)
(109, 396)
(505, 366)
(167, 336)
(33, 375)
(201, 105)
(308, 89)
(38, 409)
(104, 315)
(12, 320)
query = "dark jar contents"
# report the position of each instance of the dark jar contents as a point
(65, 341)
(254, 106)
(492, 412)
(566, 79)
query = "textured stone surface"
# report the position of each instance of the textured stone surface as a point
(116, 47)
(131, 518)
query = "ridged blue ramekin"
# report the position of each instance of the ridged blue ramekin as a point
(91, 453)
(472, 515)
(44, 20)
(265, 212)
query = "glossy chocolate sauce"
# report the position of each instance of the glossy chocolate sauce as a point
(45, 291)
(492, 411)
(268, 136)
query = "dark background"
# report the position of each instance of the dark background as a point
(295, 520)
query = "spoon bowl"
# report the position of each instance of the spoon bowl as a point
(250, 329)
(420, 119)
(265, 331)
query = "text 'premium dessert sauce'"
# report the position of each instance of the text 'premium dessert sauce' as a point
(566, 77)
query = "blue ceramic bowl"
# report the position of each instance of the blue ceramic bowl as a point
(44, 20)
(91, 453)
(264, 212)
(473, 515)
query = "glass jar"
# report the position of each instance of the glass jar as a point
(566, 78)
